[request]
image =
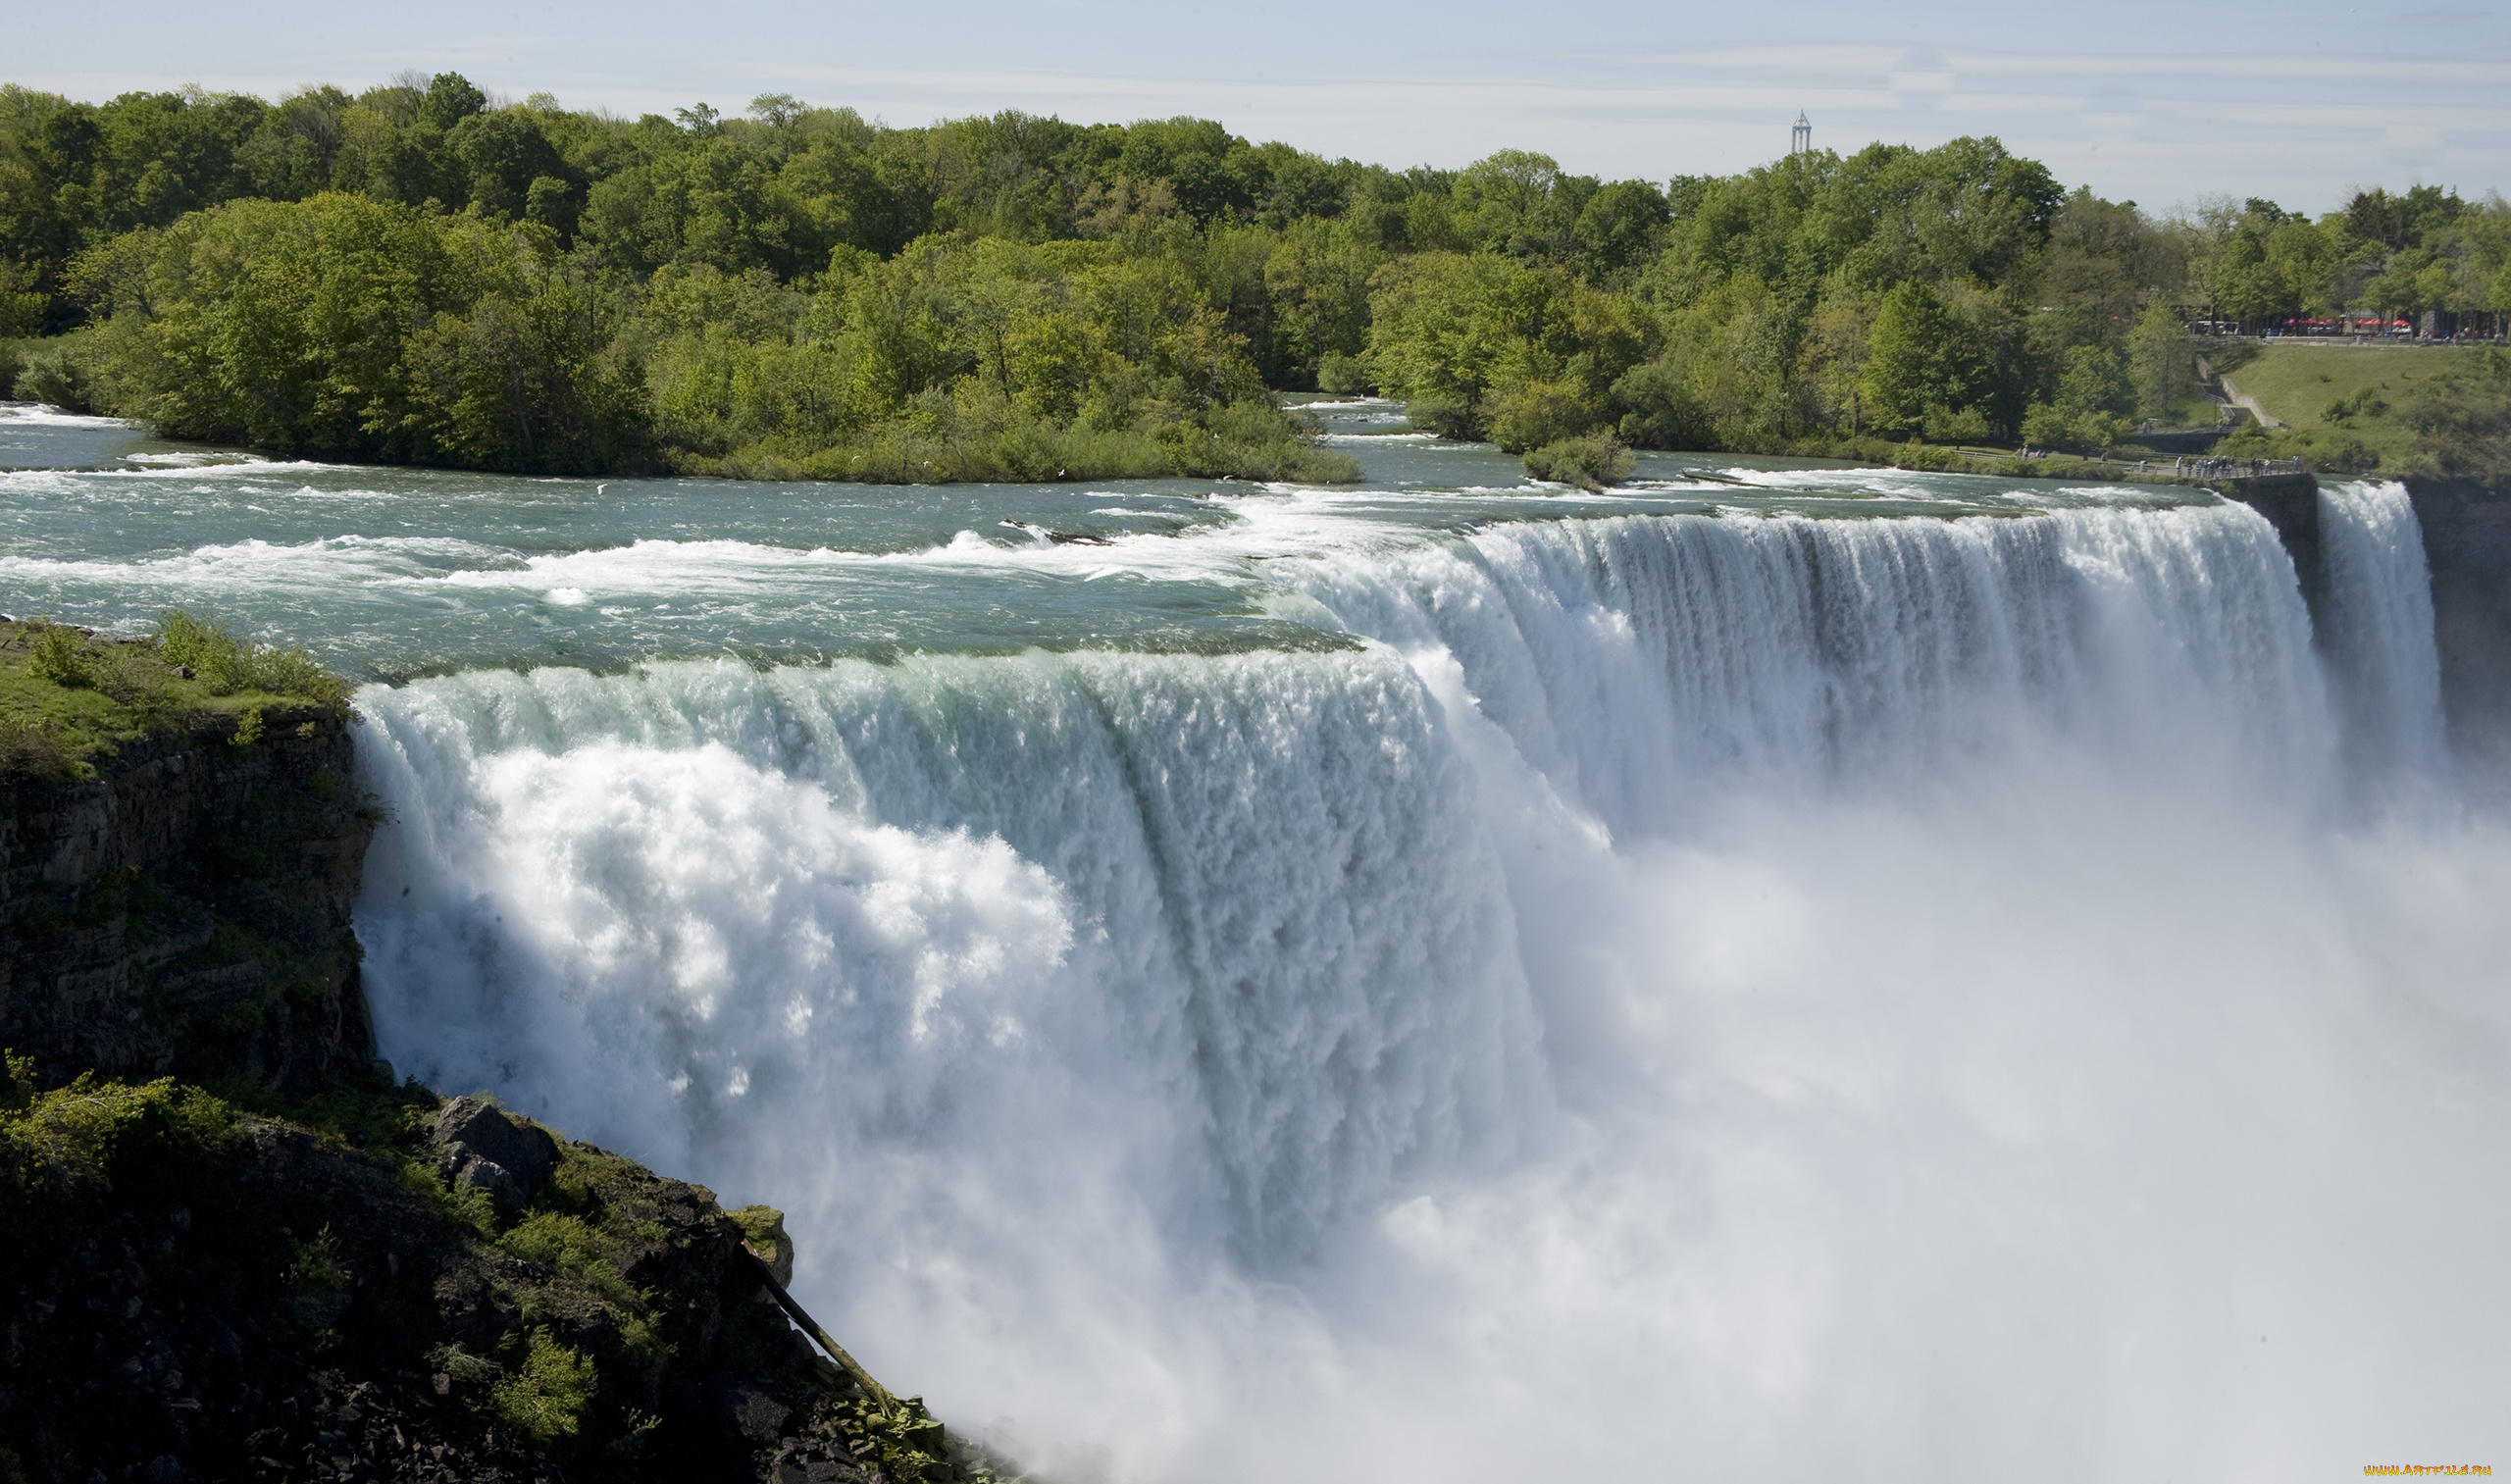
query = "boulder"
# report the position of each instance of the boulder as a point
(479, 1147)
(763, 1233)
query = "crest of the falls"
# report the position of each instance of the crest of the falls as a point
(1641, 662)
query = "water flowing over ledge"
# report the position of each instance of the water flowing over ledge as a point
(1675, 959)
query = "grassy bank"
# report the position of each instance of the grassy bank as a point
(2394, 410)
(2333, 393)
(68, 696)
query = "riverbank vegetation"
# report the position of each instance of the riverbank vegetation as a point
(417, 274)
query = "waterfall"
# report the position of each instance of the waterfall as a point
(1652, 963)
(1635, 659)
(2379, 629)
(1252, 876)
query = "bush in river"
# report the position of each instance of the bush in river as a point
(1590, 462)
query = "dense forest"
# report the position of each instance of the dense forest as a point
(419, 274)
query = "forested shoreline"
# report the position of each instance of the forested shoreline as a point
(419, 275)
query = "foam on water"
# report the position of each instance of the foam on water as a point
(334, 561)
(44, 414)
(1741, 994)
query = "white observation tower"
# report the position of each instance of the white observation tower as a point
(1800, 139)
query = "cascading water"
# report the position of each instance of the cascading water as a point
(1150, 1045)
(1251, 883)
(1635, 661)
(1882, 975)
(2379, 631)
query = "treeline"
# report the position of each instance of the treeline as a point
(417, 274)
(2388, 255)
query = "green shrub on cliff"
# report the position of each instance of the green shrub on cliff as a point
(228, 665)
(545, 1396)
(58, 655)
(92, 1135)
(68, 696)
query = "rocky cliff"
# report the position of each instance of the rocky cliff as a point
(2467, 542)
(186, 910)
(380, 1285)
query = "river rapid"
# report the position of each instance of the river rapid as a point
(1783, 972)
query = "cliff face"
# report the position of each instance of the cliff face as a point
(2467, 542)
(187, 911)
(2290, 504)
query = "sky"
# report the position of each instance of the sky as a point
(2161, 104)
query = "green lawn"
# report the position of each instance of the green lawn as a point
(2189, 411)
(2298, 383)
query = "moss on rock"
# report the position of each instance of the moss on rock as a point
(257, 1287)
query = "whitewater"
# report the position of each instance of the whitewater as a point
(1796, 974)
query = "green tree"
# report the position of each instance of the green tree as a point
(22, 306)
(450, 99)
(2162, 364)
(2304, 257)
(1920, 358)
(1318, 281)
(1482, 344)
(2247, 285)
(343, 326)
(1620, 227)
(505, 157)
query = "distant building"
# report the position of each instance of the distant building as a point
(1800, 139)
